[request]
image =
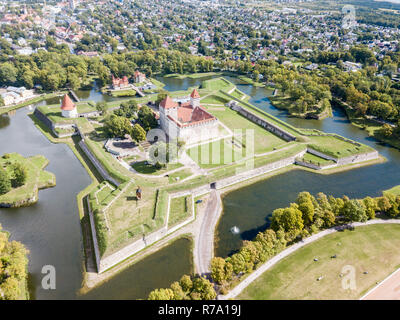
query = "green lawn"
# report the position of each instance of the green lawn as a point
(217, 84)
(217, 153)
(181, 174)
(146, 168)
(372, 249)
(214, 99)
(37, 178)
(180, 209)
(264, 141)
(337, 148)
(308, 157)
(123, 93)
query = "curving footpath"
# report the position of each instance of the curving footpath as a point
(270, 263)
(204, 239)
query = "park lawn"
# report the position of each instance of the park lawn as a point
(214, 99)
(264, 141)
(248, 80)
(217, 84)
(217, 153)
(85, 106)
(146, 168)
(130, 218)
(180, 210)
(181, 174)
(238, 94)
(123, 93)
(372, 249)
(53, 112)
(37, 178)
(337, 148)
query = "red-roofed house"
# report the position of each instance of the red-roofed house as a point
(120, 83)
(187, 121)
(139, 77)
(68, 108)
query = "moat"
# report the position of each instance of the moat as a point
(51, 229)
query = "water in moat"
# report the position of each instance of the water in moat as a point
(249, 207)
(51, 229)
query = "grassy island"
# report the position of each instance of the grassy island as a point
(21, 178)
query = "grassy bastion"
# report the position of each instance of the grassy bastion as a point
(37, 179)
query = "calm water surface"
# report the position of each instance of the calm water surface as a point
(249, 207)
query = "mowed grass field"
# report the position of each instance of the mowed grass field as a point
(264, 141)
(373, 249)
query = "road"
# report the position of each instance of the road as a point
(204, 239)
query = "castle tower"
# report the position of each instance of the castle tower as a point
(195, 99)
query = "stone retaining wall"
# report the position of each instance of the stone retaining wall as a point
(97, 164)
(265, 124)
(358, 158)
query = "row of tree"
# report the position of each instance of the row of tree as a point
(306, 216)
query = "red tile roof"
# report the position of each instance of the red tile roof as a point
(168, 103)
(195, 94)
(67, 103)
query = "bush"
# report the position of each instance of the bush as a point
(5, 182)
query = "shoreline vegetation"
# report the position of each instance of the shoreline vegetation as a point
(13, 256)
(26, 177)
(213, 88)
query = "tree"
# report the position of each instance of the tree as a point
(138, 133)
(354, 210)
(387, 130)
(289, 219)
(147, 118)
(8, 73)
(221, 270)
(13, 268)
(5, 182)
(101, 106)
(306, 206)
(117, 126)
(370, 207)
(202, 289)
(161, 294)
(20, 174)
